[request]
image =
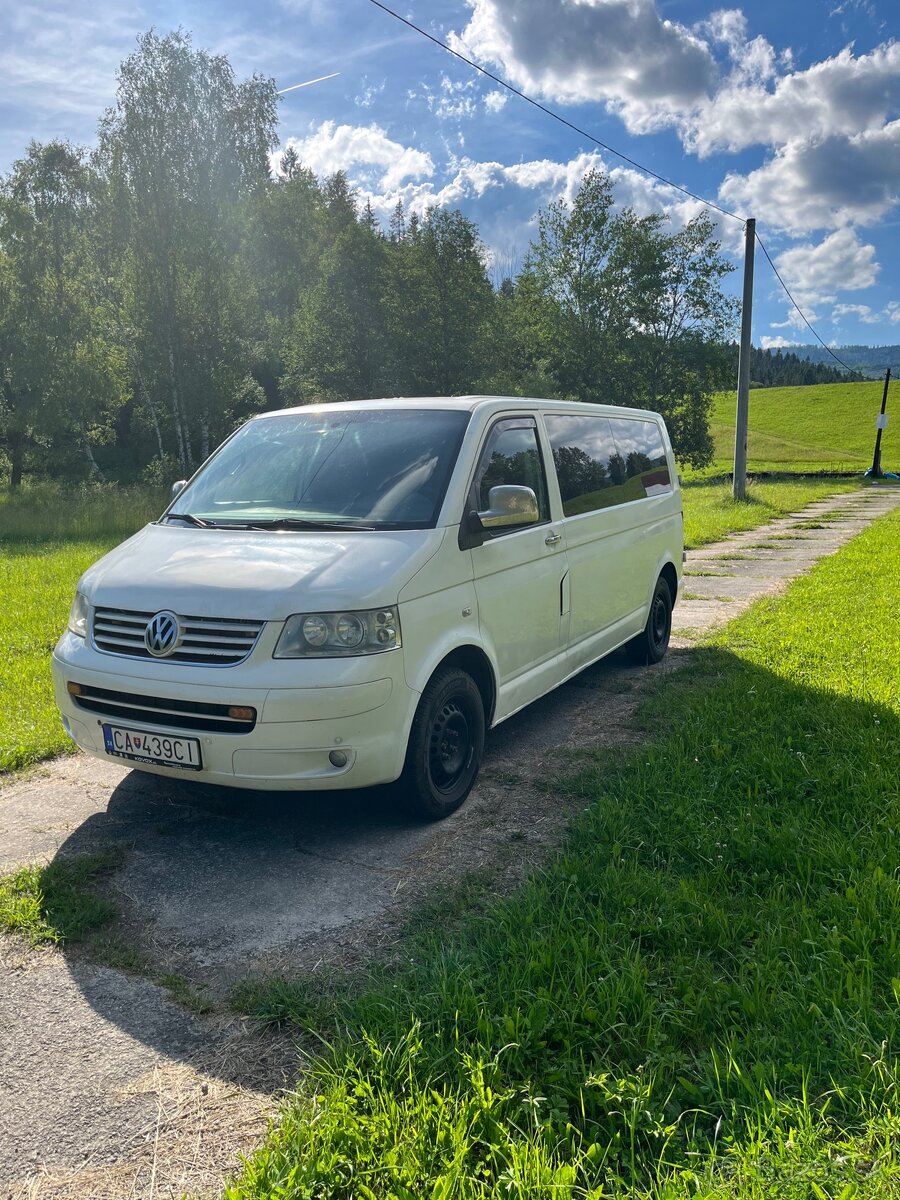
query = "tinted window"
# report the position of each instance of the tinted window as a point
(640, 444)
(601, 461)
(588, 466)
(387, 468)
(511, 456)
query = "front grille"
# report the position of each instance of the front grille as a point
(158, 710)
(206, 641)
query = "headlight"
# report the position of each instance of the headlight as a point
(326, 635)
(79, 614)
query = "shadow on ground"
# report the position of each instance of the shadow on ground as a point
(218, 883)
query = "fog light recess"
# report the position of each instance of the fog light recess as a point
(338, 758)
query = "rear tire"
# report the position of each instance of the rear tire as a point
(651, 645)
(445, 746)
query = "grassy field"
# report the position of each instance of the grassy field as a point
(829, 427)
(700, 997)
(48, 538)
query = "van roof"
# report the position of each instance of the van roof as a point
(466, 404)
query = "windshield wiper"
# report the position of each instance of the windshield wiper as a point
(190, 518)
(302, 523)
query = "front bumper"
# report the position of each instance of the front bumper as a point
(362, 707)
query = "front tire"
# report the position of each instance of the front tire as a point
(651, 645)
(445, 746)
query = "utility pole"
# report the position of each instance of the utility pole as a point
(739, 481)
(881, 423)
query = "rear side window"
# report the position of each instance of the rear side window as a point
(603, 461)
(641, 447)
(512, 456)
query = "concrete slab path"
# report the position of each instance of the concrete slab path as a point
(108, 1088)
(723, 578)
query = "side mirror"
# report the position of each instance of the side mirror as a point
(177, 487)
(510, 504)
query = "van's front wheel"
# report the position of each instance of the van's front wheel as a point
(651, 645)
(445, 745)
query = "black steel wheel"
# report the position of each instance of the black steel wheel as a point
(445, 745)
(651, 645)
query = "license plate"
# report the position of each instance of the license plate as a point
(155, 748)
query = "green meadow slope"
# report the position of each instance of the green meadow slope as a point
(821, 427)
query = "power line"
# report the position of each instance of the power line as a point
(555, 115)
(797, 306)
(604, 146)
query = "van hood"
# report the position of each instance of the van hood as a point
(257, 574)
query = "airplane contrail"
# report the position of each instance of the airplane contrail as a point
(321, 79)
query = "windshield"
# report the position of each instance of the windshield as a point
(370, 469)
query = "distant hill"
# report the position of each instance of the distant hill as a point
(870, 361)
(786, 368)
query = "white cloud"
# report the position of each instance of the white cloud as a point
(365, 152)
(618, 51)
(862, 312)
(775, 343)
(655, 72)
(453, 100)
(494, 101)
(752, 59)
(844, 95)
(369, 94)
(839, 263)
(866, 314)
(831, 128)
(503, 197)
(823, 184)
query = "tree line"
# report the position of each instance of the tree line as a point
(172, 282)
(780, 368)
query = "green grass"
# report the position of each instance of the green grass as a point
(48, 537)
(825, 427)
(36, 589)
(61, 902)
(700, 996)
(48, 512)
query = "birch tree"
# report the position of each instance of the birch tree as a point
(60, 369)
(617, 310)
(184, 148)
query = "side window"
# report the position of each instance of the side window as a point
(512, 455)
(640, 446)
(589, 468)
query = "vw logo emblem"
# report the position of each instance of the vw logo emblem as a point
(162, 635)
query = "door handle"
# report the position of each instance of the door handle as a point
(552, 538)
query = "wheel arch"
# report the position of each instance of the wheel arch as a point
(473, 660)
(670, 575)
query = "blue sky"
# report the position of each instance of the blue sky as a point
(787, 111)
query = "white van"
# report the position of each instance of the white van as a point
(351, 594)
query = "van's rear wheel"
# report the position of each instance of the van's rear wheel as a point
(445, 745)
(651, 645)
